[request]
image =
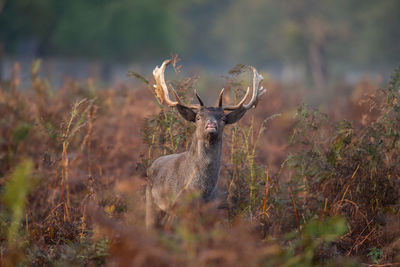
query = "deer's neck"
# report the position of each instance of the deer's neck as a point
(208, 149)
(204, 160)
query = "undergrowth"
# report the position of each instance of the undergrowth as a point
(73, 162)
(341, 169)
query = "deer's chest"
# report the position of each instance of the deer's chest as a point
(205, 177)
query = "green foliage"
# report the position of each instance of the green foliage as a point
(315, 234)
(80, 254)
(14, 196)
(375, 254)
(344, 169)
(244, 191)
(89, 251)
(334, 150)
(21, 133)
(326, 230)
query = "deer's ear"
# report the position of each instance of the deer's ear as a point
(235, 115)
(187, 113)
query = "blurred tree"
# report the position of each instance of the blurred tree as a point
(28, 21)
(114, 29)
(119, 29)
(376, 33)
(318, 34)
(323, 36)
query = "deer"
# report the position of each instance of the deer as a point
(198, 168)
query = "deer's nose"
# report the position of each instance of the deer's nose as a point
(211, 124)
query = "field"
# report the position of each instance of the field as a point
(300, 186)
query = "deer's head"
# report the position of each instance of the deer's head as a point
(210, 121)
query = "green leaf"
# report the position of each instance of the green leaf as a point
(15, 193)
(21, 132)
(328, 230)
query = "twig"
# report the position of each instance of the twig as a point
(355, 242)
(348, 186)
(359, 244)
(51, 212)
(382, 265)
(373, 230)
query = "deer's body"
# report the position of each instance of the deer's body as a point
(198, 168)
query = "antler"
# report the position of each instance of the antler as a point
(162, 89)
(258, 91)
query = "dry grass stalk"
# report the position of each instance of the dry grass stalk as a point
(265, 210)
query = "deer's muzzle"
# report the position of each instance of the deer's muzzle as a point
(211, 126)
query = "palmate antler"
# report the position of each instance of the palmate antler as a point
(258, 91)
(162, 91)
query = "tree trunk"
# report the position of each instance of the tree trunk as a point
(318, 64)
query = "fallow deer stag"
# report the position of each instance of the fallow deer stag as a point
(199, 167)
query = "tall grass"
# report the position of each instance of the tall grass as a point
(328, 197)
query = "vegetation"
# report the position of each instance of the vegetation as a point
(73, 164)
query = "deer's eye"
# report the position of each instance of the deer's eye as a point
(198, 117)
